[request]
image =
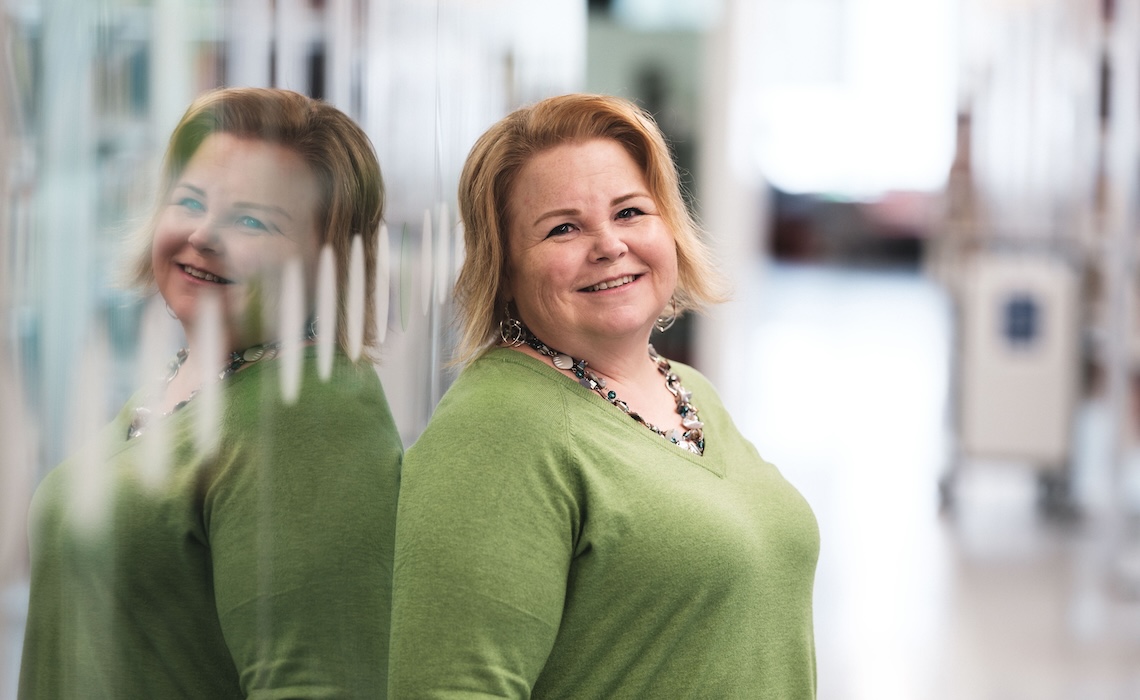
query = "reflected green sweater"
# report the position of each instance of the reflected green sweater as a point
(548, 546)
(262, 572)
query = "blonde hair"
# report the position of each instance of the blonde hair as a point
(487, 182)
(335, 148)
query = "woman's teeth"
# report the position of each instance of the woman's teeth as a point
(611, 284)
(203, 275)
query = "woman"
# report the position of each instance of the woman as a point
(261, 566)
(580, 518)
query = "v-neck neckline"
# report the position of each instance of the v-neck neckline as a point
(709, 461)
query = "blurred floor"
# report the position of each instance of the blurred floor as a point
(847, 374)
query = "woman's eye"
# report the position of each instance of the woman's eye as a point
(629, 213)
(559, 230)
(250, 222)
(191, 204)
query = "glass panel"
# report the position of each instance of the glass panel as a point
(90, 91)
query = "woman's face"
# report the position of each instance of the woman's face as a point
(590, 258)
(238, 212)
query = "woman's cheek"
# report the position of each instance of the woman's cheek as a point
(242, 305)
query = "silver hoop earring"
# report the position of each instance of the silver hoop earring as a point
(665, 321)
(170, 312)
(511, 329)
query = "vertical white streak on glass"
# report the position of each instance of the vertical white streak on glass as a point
(209, 355)
(326, 312)
(90, 499)
(155, 345)
(292, 319)
(355, 301)
(383, 283)
(426, 264)
(405, 278)
(460, 247)
(441, 271)
(156, 337)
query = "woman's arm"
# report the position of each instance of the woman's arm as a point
(485, 533)
(301, 525)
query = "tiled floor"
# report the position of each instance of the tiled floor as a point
(844, 379)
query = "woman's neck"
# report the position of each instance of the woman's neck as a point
(624, 363)
(630, 372)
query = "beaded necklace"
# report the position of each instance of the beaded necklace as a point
(237, 359)
(691, 438)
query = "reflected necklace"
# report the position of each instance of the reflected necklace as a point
(691, 438)
(238, 359)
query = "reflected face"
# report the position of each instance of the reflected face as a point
(239, 211)
(589, 258)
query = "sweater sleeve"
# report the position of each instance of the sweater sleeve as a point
(301, 526)
(486, 528)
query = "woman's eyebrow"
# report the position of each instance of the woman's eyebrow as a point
(196, 190)
(627, 197)
(574, 212)
(264, 207)
(555, 213)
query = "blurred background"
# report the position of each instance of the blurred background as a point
(926, 210)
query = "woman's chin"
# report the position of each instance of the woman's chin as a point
(610, 334)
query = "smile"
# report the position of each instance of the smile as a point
(203, 275)
(611, 284)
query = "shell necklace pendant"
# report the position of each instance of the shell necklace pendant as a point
(563, 361)
(690, 437)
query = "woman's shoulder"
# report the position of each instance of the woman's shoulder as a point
(347, 399)
(501, 393)
(508, 380)
(306, 379)
(339, 421)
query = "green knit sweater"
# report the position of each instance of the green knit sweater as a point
(548, 546)
(263, 572)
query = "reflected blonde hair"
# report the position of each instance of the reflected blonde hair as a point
(337, 151)
(487, 184)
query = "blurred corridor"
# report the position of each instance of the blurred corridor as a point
(848, 377)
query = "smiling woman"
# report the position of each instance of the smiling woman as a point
(570, 525)
(241, 209)
(597, 265)
(311, 171)
(258, 563)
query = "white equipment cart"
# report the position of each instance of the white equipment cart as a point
(1017, 367)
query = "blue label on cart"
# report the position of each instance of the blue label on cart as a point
(1022, 319)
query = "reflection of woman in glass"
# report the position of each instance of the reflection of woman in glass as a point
(260, 565)
(581, 518)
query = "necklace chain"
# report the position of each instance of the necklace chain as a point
(691, 438)
(237, 359)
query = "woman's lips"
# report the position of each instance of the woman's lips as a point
(611, 284)
(203, 275)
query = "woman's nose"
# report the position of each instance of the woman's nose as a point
(206, 237)
(608, 244)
